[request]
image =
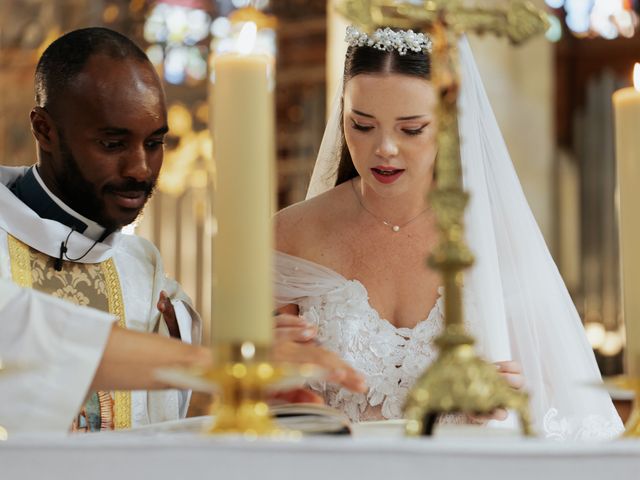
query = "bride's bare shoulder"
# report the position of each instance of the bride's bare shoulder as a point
(303, 224)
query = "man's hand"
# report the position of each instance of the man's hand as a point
(165, 307)
(339, 371)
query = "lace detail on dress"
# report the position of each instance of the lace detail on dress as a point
(592, 427)
(390, 358)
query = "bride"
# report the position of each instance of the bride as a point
(351, 258)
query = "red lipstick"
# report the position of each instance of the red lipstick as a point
(386, 175)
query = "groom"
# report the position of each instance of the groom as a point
(99, 122)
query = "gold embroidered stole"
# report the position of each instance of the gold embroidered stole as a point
(87, 284)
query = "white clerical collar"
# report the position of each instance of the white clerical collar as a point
(46, 235)
(94, 230)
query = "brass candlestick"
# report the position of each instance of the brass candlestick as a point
(240, 380)
(458, 381)
(243, 376)
(632, 427)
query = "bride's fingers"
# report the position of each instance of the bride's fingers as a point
(498, 414)
(509, 367)
(293, 327)
(512, 372)
(303, 333)
(515, 380)
(288, 320)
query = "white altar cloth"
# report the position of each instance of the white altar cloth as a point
(112, 456)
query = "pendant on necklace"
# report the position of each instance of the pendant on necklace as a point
(396, 228)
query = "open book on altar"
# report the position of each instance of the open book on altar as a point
(308, 418)
(312, 418)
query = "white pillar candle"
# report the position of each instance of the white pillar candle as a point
(627, 124)
(243, 131)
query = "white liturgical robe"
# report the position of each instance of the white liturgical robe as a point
(50, 350)
(121, 275)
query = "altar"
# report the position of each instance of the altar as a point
(171, 456)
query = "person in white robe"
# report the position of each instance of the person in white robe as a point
(49, 353)
(99, 122)
(52, 353)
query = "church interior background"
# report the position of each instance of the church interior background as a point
(552, 99)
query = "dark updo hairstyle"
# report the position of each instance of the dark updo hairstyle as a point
(370, 60)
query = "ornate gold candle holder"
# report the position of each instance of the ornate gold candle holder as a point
(240, 382)
(460, 382)
(632, 427)
(243, 376)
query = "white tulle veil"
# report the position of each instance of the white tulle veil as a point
(516, 303)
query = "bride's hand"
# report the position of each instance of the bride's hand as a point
(294, 328)
(512, 373)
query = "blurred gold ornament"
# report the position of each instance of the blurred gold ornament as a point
(111, 13)
(240, 382)
(251, 14)
(519, 21)
(632, 384)
(52, 35)
(179, 117)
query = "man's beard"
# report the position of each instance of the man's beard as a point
(83, 197)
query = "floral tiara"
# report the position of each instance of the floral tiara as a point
(389, 40)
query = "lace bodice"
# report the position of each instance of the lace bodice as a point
(390, 358)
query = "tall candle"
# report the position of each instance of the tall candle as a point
(626, 104)
(243, 130)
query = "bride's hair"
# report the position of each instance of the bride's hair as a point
(369, 60)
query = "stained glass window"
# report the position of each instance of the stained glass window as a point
(599, 18)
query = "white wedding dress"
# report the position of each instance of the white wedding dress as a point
(390, 358)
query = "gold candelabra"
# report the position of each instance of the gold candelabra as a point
(244, 374)
(458, 381)
(240, 380)
(632, 427)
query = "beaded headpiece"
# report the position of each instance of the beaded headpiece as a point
(389, 40)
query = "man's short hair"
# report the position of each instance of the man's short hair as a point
(66, 57)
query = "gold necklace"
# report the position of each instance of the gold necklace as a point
(394, 227)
